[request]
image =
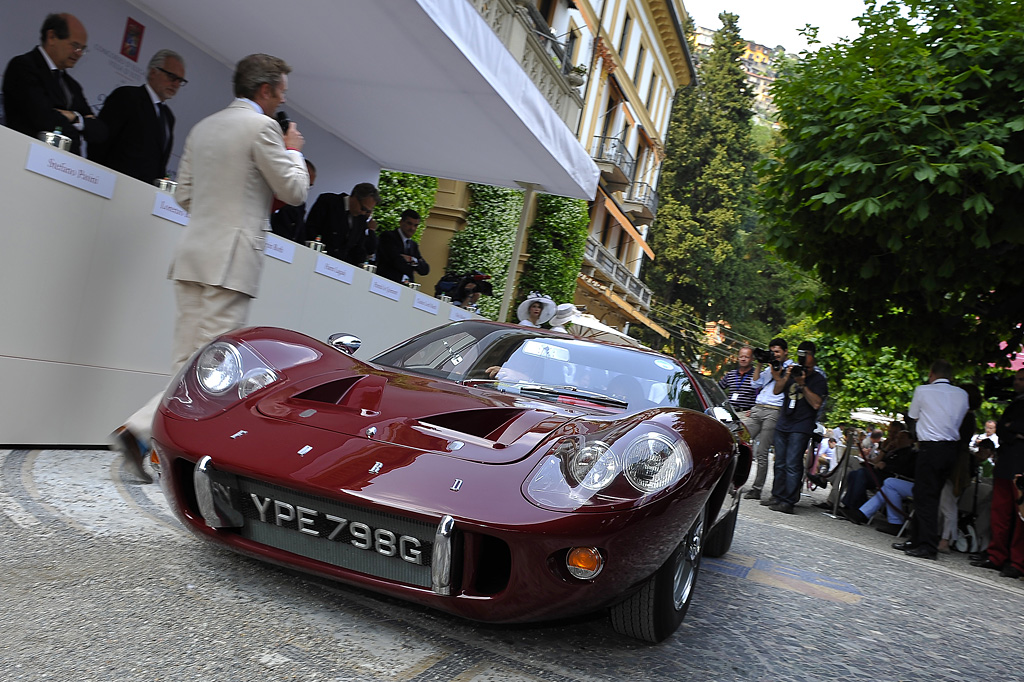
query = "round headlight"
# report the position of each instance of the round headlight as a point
(653, 462)
(254, 380)
(594, 466)
(219, 368)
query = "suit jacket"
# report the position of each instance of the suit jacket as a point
(390, 262)
(234, 163)
(133, 144)
(345, 237)
(32, 96)
(290, 222)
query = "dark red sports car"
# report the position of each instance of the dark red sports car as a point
(497, 472)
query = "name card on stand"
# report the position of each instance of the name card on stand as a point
(71, 170)
(281, 249)
(459, 314)
(386, 288)
(427, 304)
(164, 206)
(335, 269)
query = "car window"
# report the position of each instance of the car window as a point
(517, 357)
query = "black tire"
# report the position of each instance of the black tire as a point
(655, 611)
(720, 536)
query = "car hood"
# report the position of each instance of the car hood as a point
(427, 414)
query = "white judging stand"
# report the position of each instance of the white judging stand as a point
(88, 310)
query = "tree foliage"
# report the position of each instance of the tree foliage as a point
(899, 178)
(486, 243)
(709, 257)
(556, 243)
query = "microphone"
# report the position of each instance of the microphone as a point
(283, 119)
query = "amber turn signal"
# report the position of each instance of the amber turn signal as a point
(584, 562)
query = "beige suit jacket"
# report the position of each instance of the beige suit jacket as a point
(234, 163)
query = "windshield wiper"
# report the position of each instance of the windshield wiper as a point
(572, 392)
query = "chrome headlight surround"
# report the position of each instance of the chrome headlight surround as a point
(216, 378)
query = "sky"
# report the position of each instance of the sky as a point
(776, 23)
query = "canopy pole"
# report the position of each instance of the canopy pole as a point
(517, 250)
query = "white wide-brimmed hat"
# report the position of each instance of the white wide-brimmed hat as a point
(547, 307)
(563, 314)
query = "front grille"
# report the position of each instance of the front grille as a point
(383, 545)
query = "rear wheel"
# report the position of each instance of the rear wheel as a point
(655, 611)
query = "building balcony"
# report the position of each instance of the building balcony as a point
(602, 265)
(540, 54)
(614, 161)
(641, 201)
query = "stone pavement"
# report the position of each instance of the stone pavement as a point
(98, 582)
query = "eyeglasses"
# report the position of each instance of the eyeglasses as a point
(175, 78)
(79, 48)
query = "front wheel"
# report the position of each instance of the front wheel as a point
(655, 611)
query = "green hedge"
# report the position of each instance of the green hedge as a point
(400, 191)
(486, 243)
(556, 244)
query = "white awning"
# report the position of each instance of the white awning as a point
(423, 86)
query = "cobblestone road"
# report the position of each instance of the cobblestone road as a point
(99, 582)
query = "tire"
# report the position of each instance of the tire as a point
(655, 611)
(719, 538)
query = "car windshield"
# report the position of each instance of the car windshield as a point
(555, 368)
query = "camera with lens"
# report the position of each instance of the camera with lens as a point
(801, 364)
(766, 357)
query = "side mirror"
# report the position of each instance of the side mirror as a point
(346, 343)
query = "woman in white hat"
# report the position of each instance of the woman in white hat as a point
(535, 310)
(564, 314)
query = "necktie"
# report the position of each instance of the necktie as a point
(408, 246)
(162, 120)
(64, 87)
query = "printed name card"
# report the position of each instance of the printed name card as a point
(164, 206)
(281, 249)
(335, 269)
(427, 304)
(71, 170)
(386, 288)
(457, 314)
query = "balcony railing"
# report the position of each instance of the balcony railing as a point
(619, 164)
(612, 270)
(644, 197)
(516, 28)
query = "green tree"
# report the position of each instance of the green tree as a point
(709, 257)
(898, 182)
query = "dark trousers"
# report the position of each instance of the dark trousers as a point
(859, 482)
(935, 459)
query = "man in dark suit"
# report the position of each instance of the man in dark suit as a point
(398, 256)
(40, 96)
(344, 223)
(140, 125)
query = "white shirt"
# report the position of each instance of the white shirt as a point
(938, 408)
(767, 395)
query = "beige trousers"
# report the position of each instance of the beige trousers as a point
(204, 313)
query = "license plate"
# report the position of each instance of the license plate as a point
(384, 545)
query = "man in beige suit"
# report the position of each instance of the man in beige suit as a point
(234, 163)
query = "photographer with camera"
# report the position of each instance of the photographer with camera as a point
(760, 420)
(803, 389)
(1006, 549)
